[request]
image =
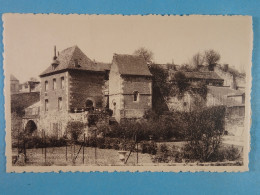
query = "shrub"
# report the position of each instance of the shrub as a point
(204, 133)
(149, 147)
(75, 129)
(163, 155)
(231, 153)
(101, 143)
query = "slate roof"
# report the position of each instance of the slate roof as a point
(67, 60)
(131, 65)
(222, 94)
(13, 78)
(209, 75)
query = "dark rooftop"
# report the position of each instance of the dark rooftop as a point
(73, 58)
(131, 65)
(222, 93)
(13, 78)
(202, 75)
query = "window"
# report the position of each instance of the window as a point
(136, 96)
(62, 82)
(60, 103)
(46, 86)
(46, 105)
(54, 84)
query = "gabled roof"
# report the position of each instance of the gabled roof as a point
(131, 65)
(202, 75)
(71, 56)
(13, 78)
(222, 94)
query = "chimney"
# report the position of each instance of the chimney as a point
(226, 67)
(55, 62)
(55, 56)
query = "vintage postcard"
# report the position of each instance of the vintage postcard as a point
(127, 93)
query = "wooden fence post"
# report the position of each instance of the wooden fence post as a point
(66, 151)
(83, 148)
(136, 149)
(45, 147)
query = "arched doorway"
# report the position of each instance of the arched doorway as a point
(114, 107)
(89, 105)
(30, 127)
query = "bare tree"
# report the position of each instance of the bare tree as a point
(145, 53)
(33, 79)
(198, 59)
(211, 57)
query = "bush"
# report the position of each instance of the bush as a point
(204, 133)
(39, 142)
(231, 153)
(75, 129)
(149, 147)
(163, 155)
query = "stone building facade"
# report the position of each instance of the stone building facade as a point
(234, 101)
(130, 87)
(70, 85)
(14, 87)
(232, 80)
(73, 85)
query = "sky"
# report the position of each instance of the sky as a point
(29, 39)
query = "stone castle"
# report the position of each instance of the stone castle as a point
(74, 84)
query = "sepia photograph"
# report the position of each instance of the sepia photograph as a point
(127, 93)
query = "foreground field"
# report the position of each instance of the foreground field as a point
(57, 156)
(94, 156)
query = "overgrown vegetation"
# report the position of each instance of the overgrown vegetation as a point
(204, 134)
(74, 130)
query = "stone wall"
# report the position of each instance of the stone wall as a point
(234, 120)
(53, 121)
(85, 86)
(187, 103)
(213, 101)
(143, 85)
(21, 101)
(79, 86)
(121, 94)
(228, 78)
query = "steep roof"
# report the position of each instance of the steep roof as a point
(13, 78)
(203, 75)
(131, 65)
(68, 58)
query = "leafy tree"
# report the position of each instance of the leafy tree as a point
(75, 129)
(145, 53)
(160, 79)
(161, 88)
(211, 58)
(204, 133)
(33, 79)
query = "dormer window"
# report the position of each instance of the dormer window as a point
(136, 96)
(76, 63)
